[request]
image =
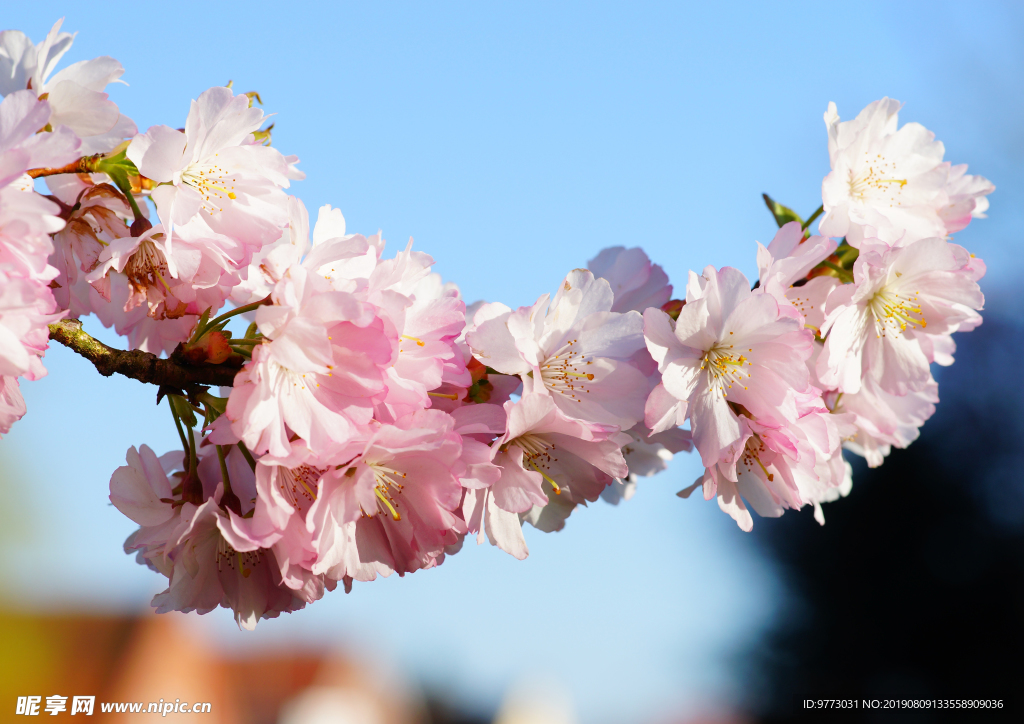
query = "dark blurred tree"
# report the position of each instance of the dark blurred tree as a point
(914, 588)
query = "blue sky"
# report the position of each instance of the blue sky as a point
(513, 142)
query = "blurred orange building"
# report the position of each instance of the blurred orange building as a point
(148, 658)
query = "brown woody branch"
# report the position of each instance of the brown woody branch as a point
(138, 365)
(86, 164)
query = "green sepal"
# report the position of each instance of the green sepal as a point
(783, 214)
(215, 406)
(120, 169)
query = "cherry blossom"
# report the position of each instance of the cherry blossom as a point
(891, 183)
(789, 258)
(636, 283)
(215, 173)
(550, 463)
(391, 507)
(22, 146)
(96, 217)
(26, 308)
(730, 351)
(317, 375)
(75, 93)
(873, 421)
(574, 349)
(923, 290)
(12, 404)
(203, 549)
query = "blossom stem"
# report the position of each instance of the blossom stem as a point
(136, 364)
(131, 202)
(223, 469)
(193, 456)
(813, 216)
(177, 424)
(228, 315)
(247, 455)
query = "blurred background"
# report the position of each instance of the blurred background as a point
(513, 142)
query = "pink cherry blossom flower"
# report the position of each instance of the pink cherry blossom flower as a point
(480, 425)
(291, 544)
(26, 220)
(392, 507)
(782, 467)
(550, 463)
(27, 303)
(175, 282)
(900, 294)
(967, 198)
(98, 220)
(26, 308)
(892, 184)
(22, 146)
(577, 351)
(159, 275)
(636, 283)
(214, 566)
(142, 331)
(872, 421)
(730, 351)
(788, 259)
(204, 550)
(808, 300)
(141, 488)
(269, 263)
(426, 355)
(284, 496)
(76, 93)
(214, 172)
(12, 404)
(318, 375)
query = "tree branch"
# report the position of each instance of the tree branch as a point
(86, 164)
(138, 365)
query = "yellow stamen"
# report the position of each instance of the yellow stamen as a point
(532, 464)
(394, 513)
(160, 277)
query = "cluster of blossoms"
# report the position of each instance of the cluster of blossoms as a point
(374, 421)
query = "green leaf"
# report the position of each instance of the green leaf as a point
(783, 214)
(201, 326)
